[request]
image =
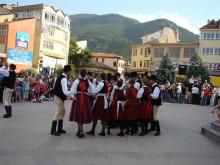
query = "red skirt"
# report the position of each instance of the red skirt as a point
(98, 110)
(121, 113)
(131, 110)
(145, 111)
(112, 114)
(81, 110)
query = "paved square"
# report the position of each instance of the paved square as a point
(25, 140)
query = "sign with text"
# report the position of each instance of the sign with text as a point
(22, 40)
(19, 57)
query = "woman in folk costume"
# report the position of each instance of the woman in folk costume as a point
(81, 107)
(100, 107)
(145, 107)
(131, 107)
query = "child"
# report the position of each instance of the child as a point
(131, 107)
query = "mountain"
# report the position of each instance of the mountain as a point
(113, 33)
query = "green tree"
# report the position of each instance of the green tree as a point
(197, 69)
(77, 56)
(166, 70)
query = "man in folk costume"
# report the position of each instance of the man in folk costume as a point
(81, 107)
(156, 102)
(100, 107)
(8, 84)
(60, 94)
(145, 107)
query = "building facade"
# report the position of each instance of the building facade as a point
(148, 55)
(209, 49)
(53, 45)
(112, 60)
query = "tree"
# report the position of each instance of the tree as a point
(166, 70)
(197, 69)
(77, 56)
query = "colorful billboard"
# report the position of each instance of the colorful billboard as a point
(19, 57)
(22, 40)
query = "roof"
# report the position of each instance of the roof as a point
(4, 11)
(164, 44)
(23, 19)
(30, 7)
(106, 55)
(212, 25)
(98, 65)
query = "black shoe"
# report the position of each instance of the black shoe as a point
(80, 134)
(53, 129)
(120, 134)
(102, 134)
(92, 133)
(109, 131)
(142, 134)
(157, 133)
(8, 112)
(60, 127)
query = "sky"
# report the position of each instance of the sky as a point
(190, 14)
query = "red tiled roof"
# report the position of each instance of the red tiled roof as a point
(106, 55)
(99, 65)
(212, 25)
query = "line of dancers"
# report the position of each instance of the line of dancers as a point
(130, 104)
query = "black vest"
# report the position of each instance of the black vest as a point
(86, 84)
(9, 81)
(104, 89)
(58, 91)
(158, 100)
(144, 96)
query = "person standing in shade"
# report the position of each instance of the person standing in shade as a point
(8, 84)
(155, 94)
(60, 94)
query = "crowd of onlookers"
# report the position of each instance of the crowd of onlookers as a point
(32, 87)
(196, 92)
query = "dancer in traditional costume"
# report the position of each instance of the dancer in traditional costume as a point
(81, 106)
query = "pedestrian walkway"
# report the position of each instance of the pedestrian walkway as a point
(25, 140)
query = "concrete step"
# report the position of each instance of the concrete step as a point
(215, 126)
(211, 133)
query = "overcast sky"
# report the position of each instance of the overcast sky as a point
(190, 14)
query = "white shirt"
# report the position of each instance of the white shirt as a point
(137, 85)
(4, 71)
(191, 80)
(64, 85)
(195, 90)
(179, 89)
(98, 88)
(75, 84)
(156, 92)
(111, 96)
(140, 92)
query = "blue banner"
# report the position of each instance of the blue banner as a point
(19, 57)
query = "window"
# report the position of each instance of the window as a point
(189, 52)
(135, 52)
(103, 60)
(174, 52)
(134, 64)
(3, 31)
(141, 51)
(48, 45)
(211, 36)
(140, 63)
(47, 16)
(114, 63)
(60, 21)
(52, 18)
(210, 51)
(158, 52)
(97, 59)
(41, 61)
(146, 63)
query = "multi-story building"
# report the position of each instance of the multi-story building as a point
(54, 34)
(209, 49)
(148, 55)
(6, 14)
(112, 60)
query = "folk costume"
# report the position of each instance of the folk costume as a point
(145, 112)
(60, 94)
(81, 106)
(8, 84)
